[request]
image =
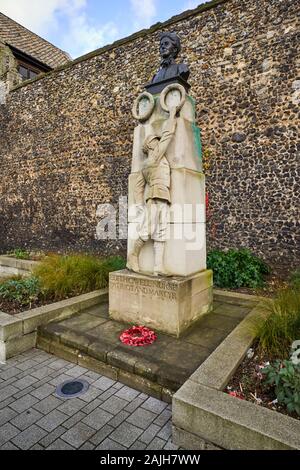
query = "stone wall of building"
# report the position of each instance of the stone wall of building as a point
(66, 138)
(9, 76)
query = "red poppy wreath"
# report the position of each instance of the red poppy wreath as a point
(138, 336)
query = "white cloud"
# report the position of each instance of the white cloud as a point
(65, 19)
(84, 37)
(144, 11)
(39, 16)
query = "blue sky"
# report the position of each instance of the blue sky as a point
(80, 26)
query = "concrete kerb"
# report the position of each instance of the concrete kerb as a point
(236, 297)
(18, 333)
(209, 418)
(10, 266)
(220, 366)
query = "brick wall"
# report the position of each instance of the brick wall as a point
(66, 138)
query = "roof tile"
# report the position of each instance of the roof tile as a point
(30, 43)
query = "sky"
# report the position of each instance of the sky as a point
(81, 26)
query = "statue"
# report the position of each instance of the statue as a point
(166, 286)
(155, 217)
(170, 71)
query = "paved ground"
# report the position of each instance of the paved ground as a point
(168, 362)
(108, 416)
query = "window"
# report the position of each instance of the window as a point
(28, 67)
(27, 72)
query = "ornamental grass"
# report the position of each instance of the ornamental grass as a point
(279, 323)
(65, 276)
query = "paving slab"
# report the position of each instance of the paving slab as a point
(138, 446)
(6, 415)
(109, 444)
(48, 404)
(24, 403)
(29, 437)
(26, 419)
(7, 432)
(52, 420)
(97, 418)
(119, 418)
(43, 391)
(154, 405)
(59, 444)
(156, 444)
(52, 436)
(100, 436)
(87, 446)
(78, 435)
(149, 434)
(76, 418)
(104, 383)
(126, 434)
(141, 418)
(83, 322)
(114, 404)
(7, 392)
(127, 393)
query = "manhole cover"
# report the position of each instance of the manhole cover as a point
(72, 388)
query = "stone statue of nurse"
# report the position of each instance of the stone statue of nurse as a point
(153, 186)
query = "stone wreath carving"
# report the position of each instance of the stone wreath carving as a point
(144, 116)
(169, 89)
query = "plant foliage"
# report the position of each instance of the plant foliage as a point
(295, 279)
(285, 377)
(22, 290)
(19, 253)
(237, 268)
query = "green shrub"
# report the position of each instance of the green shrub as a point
(65, 276)
(237, 268)
(295, 279)
(285, 377)
(21, 290)
(19, 253)
(279, 323)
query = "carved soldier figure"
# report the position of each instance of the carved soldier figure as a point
(153, 188)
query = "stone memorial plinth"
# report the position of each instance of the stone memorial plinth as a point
(165, 304)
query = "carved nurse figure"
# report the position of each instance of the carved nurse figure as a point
(153, 188)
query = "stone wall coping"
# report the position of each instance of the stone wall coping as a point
(144, 32)
(201, 408)
(12, 262)
(237, 295)
(231, 423)
(28, 321)
(229, 354)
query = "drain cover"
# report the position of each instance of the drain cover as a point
(72, 388)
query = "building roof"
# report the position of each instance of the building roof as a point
(13, 34)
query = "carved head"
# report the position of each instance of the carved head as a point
(169, 45)
(150, 143)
